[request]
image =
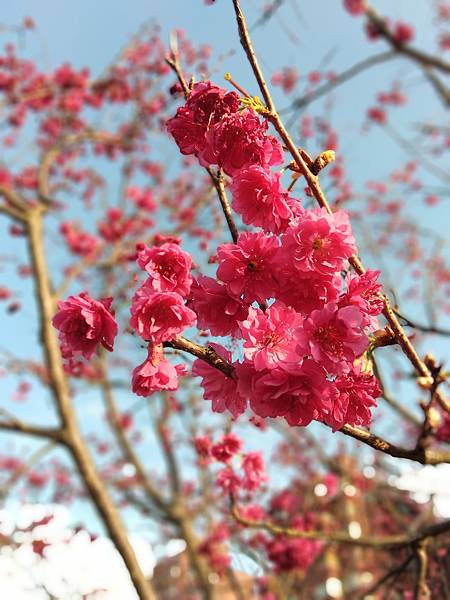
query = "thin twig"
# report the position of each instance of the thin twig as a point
(424, 59)
(326, 88)
(217, 179)
(393, 573)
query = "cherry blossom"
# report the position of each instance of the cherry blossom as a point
(84, 323)
(260, 199)
(217, 310)
(270, 337)
(156, 373)
(168, 267)
(218, 387)
(159, 316)
(248, 267)
(318, 241)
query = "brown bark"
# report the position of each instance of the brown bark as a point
(70, 429)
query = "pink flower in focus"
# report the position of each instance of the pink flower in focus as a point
(311, 394)
(83, 323)
(363, 291)
(218, 387)
(270, 337)
(159, 316)
(216, 310)
(188, 135)
(307, 291)
(168, 267)
(207, 103)
(238, 140)
(356, 395)
(156, 373)
(248, 267)
(334, 336)
(260, 199)
(299, 397)
(319, 242)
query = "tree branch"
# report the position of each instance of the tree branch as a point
(206, 353)
(217, 179)
(314, 185)
(60, 390)
(326, 88)
(426, 60)
(16, 426)
(380, 543)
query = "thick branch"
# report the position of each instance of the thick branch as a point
(12, 212)
(56, 434)
(60, 391)
(15, 207)
(381, 543)
(425, 456)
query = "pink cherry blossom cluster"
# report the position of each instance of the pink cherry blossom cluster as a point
(211, 127)
(159, 313)
(287, 79)
(253, 470)
(79, 242)
(279, 289)
(301, 328)
(289, 554)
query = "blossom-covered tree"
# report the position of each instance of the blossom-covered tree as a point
(228, 300)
